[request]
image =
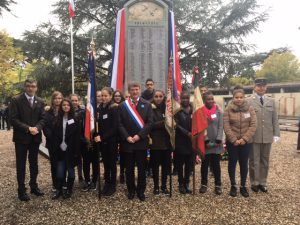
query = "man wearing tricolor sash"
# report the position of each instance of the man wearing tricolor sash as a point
(135, 116)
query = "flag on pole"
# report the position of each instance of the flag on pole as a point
(71, 8)
(118, 62)
(90, 113)
(199, 120)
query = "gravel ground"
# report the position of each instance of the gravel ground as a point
(280, 206)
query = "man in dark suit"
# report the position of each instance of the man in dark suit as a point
(134, 129)
(27, 118)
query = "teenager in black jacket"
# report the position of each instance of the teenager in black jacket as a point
(108, 124)
(183, 144)
(160, 146)
(66, 140)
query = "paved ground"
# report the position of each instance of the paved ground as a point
(280, 206)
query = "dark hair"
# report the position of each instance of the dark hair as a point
(60, 116)
(54, 95)
(133, 84)
(202, 86)
(208, 93)
(30, 80)
(149, 79)
(238, 89)
(185, 93)
(108, 89)
(122, 96)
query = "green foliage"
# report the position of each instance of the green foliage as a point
(278, 67)
(210, 32)
(5, 5)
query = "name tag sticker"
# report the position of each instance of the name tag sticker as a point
(143, 106)
(105, 116)
(213, 116)
(71, 121)
(246, 115)
(163, 115)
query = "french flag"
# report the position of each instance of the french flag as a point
(90, 113)
(118, 61)
(71, 8)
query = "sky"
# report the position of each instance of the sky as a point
(281, 30)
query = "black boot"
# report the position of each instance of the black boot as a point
(111, 190)
(182, 189)
(69, 191)
(187, 188)
(58, 189)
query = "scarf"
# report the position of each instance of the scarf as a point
(210, 112)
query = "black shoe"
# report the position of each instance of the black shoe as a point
(165, 191)
(111, 190)
(255, 188)
(218, 190)
(244, 192)
(130, 195)
(86, 186)
(37, 192)
(156, 191)
(141, 197)
(233, 191)
(23, 197)
(263, 188)
(67, 194)
(182, 189)
(56, 195)
(105, 189)
(93, 186)
(203, 189)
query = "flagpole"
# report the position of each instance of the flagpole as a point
(172, 122)
(72, 56)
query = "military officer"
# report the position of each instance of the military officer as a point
(266, 133)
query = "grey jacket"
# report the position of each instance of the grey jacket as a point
(267, 119)
(215, 132)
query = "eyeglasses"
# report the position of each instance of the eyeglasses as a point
(30, 86)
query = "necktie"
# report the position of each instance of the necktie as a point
(261, 100)
(30, 102)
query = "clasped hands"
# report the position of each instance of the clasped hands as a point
(239, 142)
(133, 139)
(33, 130)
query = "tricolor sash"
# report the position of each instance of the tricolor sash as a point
(134, 114)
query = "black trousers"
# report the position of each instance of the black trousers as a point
(122, 161)
(160, 158)
(212, 160)
(53, 163)
(109, 155)
(90, 156)
(137, 157)
(184, 167)
(238, 154)
(21, 155)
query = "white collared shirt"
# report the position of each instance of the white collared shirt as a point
(29, 97)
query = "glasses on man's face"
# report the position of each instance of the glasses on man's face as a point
(149, 84)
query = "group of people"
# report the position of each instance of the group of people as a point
(131, 125)
(4, 121)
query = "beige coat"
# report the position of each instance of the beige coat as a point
(239, 122)
(267, 119)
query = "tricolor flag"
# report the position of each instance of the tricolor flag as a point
(90, 113)
(71, 8)
(199, 120)
(117, 77)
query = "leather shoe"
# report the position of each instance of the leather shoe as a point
(263, 188)
(37, 192)
(255, 188)
(130, 195)
(24, 197)
(141, 197)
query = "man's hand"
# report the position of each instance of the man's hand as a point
(33, 130)
(276, 138)
(97, 139)
(136, 138)
(130, 140)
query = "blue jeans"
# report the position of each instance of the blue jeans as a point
(239, 154)
(62, 171)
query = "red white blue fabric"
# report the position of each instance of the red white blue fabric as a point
(134, 114)
(71, 8)
(90, 113)
(117, 77)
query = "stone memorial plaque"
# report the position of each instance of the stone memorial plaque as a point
(146, 42)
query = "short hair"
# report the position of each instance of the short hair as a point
(133, 84)
(72, 95)
(185, 93)
(30, 80)
(149, 79)
(238, 89)
(202, 86)
(208, 93)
